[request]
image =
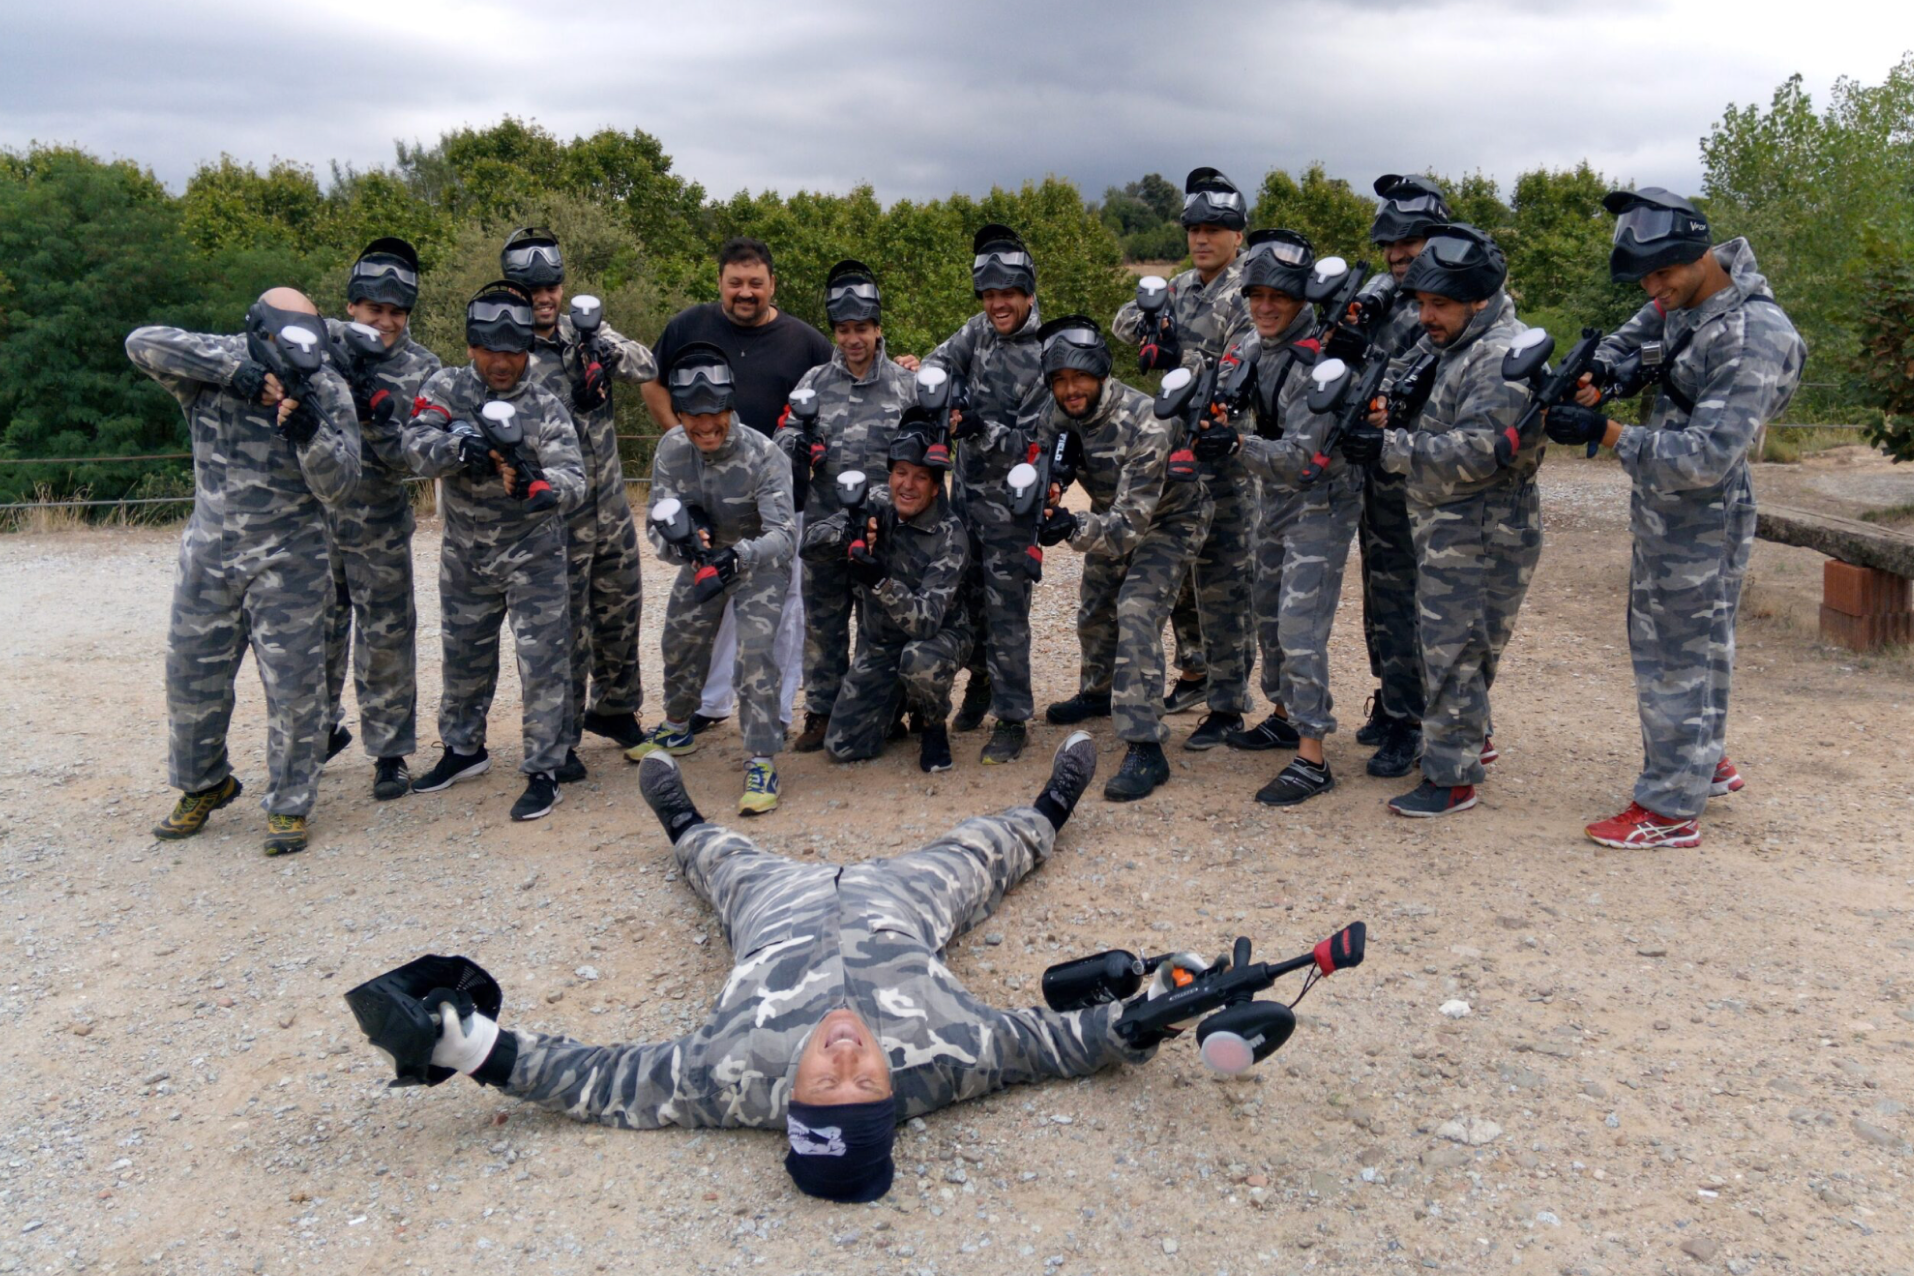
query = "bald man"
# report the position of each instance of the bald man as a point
(275, 438)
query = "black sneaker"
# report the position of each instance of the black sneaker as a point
(1213, 730)
(451, 768)
(662, 786)
(1401, 746)
(540, 796)
(1186, 693)
(1427, 800)
(970, 714)
(933, 747)
(1297, 782)
(621, 728)
(336, 742)
(571, 770)
(1005, 744)
(1369, 734)
(1078, 708)
(1273, 732)
(1072, 767)
(1144, 767)
(700, 722)
(390, 779)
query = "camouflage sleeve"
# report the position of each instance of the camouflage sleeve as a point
(955, 353)
(824, 539)
(555, 443)
(918, 607)
(182, 361)
(1465, 452)
(1117, 530)
(1039, 1044)
(632, 1087)
(423, 441)
(773, 546)
(1748, 376)
(630, 360)
(1127, 324)
(330, 460)
(387, 443)
(1643, 326)
(666, 481)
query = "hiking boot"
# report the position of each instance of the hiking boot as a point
(1213, 730)
(970, 714)
(1273, 732)
(663, 789)
(760, 788)
(1727, 780)
(1401, 746)
(335, 742)
(1489, 752)
(811, 739)
(933, 747)
(571, 770)
(1297, 783)
(1078, 708)
(1005, 743)
(1186, 694)
(1144, 767)
(189, 814)
(285, 834)
(1369, 734)
(1640, 829)
(704, 722)
(622, 729)
(452, 767)
(1429, 799)
(540, 796)
(664, 738)
(391, 779)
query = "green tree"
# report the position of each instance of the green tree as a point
(1335, 217)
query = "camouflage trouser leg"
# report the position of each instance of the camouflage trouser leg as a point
(1313, 561)
(1000, 617)
(372, 580)
(1187, 626)
(919, 672)
(1280, 507)
(1684, 594)
(1474, 561)
(828, 603)
(757, 603)
(1120, 625)
(479, 589)
(615, 606)
(958, 881)
(1224, 584)
(281, 614)
(751, 890)
(1097, 622)
(1389, 593)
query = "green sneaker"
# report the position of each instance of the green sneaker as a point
(285, 834)
(664, 738)
(760, 789)
(191, 811)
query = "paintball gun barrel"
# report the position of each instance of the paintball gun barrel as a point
(1526, 363)
(808, 449)
(681, 525)
(498, 424)
(940, 394)
(1157, 345)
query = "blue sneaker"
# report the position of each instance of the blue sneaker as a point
(663, 738)
(760, 789)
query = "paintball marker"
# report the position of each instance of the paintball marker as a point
(940, 394)
(1037, 486)
(853, 494)
(681, 525)
(1204, 401)
(1239, 1031)
(1526, 363)
(1157, 344)
(1353, 303)
(359, 352)
(801, 415)
(1347, 397)
(295, 356)
(593, 389)
(498, 426)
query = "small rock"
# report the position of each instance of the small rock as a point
(1651, 950)
(154, 1078)
(79, 1030)
(1169, 1245)
(1446, 1157)
(288, 1019)
(1547, 1218)
(1257, 1180)
(587, 973)
(555, 996)
(955, 1174)
(1661, 1025)
(1474, 1131)
(1700, 1248)
(1612, 1121)
(994, 938)
(1456, 1009)
(1877, 1136)
(1594, 1089)
(1061, 1119)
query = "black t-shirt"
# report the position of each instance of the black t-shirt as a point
(767, 361)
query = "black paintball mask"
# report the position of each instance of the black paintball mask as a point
(700, 381)
(285, 341)
(1211, 199)
(1412, 207)
(1279, 259)
(499, 317)
(916, 440)
(850, 292)
(531, 258)
(1458, 262)
(388, 272)
(1000, 260)
(1654, 229)
(1074, 342)
(842, 1151)
(398, 1011)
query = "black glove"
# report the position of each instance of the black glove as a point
(712, 575)
(1162, 349)
(1059, 525)
(1361, 444)
(249, 382)
(1572, 424)
(475, 454)
(966, 423)
(867, 570)
(592, 393)
(380, 409)
(725, 563)
(1218, 443)
(1624, 378)
(300, 426)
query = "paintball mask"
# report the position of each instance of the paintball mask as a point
(1412, 207)
(1278, 259)
(499, 317)
(388, 272)
(1000, 260)
(1654, 229)
(399, 1011)
(531, 258)
(700, 381)
(1458, 262)
(1211, 199)
(291, 343)
(1074, 341)
(850, 292)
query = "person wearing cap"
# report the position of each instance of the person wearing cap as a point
(1728, 361)
(1204, 317)
(841, 1016)
(601, 540)
(254, 561)
(371, 529)
(1137, 540)
(502, 561)
(905, 562)
(858, 399)
(1411, 208)
(1473, 505)
(996, 357)
(736, 486)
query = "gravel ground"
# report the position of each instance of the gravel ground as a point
(1690, 1062)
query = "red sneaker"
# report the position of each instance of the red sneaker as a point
(1639, 829)
(1489, 752)
(1727, 780)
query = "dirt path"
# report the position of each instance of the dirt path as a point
(1684, 1062)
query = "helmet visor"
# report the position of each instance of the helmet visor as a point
(1279, 250)
(499, 312)
(1218, 201)
(1455, 251)
(1086, 339)
(1010, 259)
(385, 269)
(850, 289)
(686, 378)
(1645, 223)
(1417, 204)
(534, 261)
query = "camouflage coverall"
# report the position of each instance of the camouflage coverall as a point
(1478, 533)
(500, 563)
(1137, 542)
(1213, 606)
(601, 540)
(808, 939)
(371, 532)
(252, 565)
(1009, 396)
(1300, 563)
(1389, 554)
(1692, 514)
(913, 631)
(856, 420)
(744, 490)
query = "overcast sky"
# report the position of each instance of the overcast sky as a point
(950, 97)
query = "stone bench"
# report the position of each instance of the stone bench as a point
(1865, 586)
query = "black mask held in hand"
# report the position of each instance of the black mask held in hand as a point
(395, 1011)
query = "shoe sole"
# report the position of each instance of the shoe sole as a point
(1723, 790)
(757, 810)
(622, 739)
(639, 753)
(1390, 773)
(811, 746)
(469, 773)
(937, 769)
(989, 761)
(1327, 788)
(180, 835)
(1252, 742)
(1195, 745)
(273, 851)
(1463, 805)
(1170, 706)
(391, 795)
(538, 815)
(1668, 844)
(1132, 797)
